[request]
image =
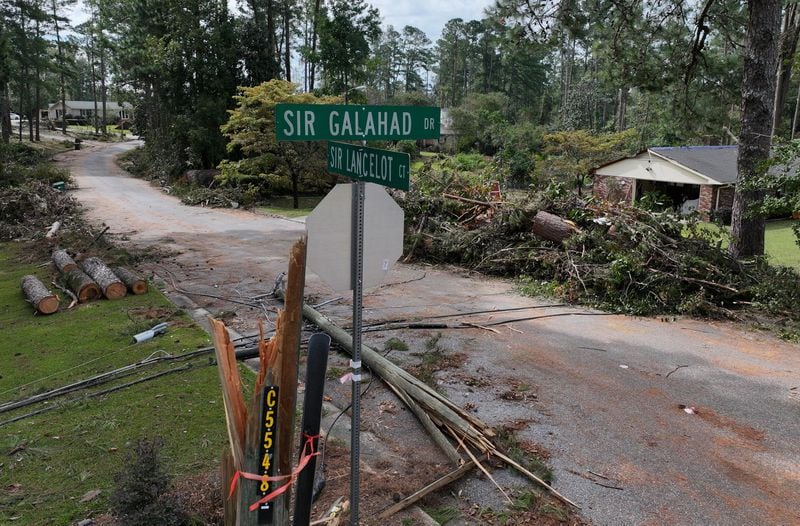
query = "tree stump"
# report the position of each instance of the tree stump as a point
(63, 262)
(82, 285)
(134, 283)
(37, 294)
(552, 228)
(109, 283)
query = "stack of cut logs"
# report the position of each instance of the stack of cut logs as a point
(91, 280)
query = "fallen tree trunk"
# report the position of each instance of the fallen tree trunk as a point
(82, 285)
(109, 283)
(37, 294)
(552, 228)
(134, 283)
(64, 263)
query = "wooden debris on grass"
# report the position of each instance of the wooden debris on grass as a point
(82, 285)
(131, 280)
(63, 262)
(44, 301)
(109, 283)
(53, 230)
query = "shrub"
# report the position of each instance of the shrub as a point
(139, 498)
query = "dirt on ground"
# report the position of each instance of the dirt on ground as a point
(597, 395)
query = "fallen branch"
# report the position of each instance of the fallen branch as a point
(473, 201)
(68, 293)
(430, 488)
(443, 412)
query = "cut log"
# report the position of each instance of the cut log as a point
(82, 285)
(552, 228)
(134, 283)
(109, 283)
(37, 294)
(64, 263)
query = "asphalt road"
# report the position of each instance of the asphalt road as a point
(646, 421)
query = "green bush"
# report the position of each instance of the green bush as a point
(140, 496)
(409, 147)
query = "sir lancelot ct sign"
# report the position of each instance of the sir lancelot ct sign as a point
(322, 122)
(383, 167)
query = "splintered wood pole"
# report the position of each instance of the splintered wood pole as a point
(286, 370)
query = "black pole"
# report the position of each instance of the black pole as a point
(318, 347)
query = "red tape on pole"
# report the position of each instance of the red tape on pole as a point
(308, 454)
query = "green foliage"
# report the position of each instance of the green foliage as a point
(480, 121)
(572, 154)
(140, 497)
(258, 159)
(443, 515)
(344, 36)
(394, 344)
(409, 147)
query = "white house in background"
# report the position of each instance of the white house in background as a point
(698, 178)
(85, 109)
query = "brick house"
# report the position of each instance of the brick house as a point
(698, 178)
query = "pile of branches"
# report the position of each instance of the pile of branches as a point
(620, 258)
(28, 210)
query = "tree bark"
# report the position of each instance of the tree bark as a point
(314, 33)
(61, 70)
(64, 263)
(758, 92)
(109, 283)
(134, 283)
(786, 51)
(551, 227)
(37, 294)
(82, 285)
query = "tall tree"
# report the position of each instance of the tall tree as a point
(345, 34)
(758, 93)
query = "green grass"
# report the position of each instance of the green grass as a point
(779, 242)
(80, 447)
(282, 206)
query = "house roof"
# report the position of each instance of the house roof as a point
(715, 162)
(89, 105)
(711, 165)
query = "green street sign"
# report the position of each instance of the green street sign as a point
(318, 122)
(369, 164)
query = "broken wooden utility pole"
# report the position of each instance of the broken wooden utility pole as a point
(286, 370)
(261, 432)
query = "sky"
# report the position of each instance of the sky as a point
(428, 15)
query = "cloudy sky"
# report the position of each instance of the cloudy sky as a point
(428, 15)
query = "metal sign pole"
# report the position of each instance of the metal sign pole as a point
(357, 267)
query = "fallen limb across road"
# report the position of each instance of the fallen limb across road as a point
(446, 415)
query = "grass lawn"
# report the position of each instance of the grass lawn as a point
(50, 461)
(780, 245)
(282, 206)
(779, 242)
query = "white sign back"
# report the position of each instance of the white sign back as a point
(330, 234)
